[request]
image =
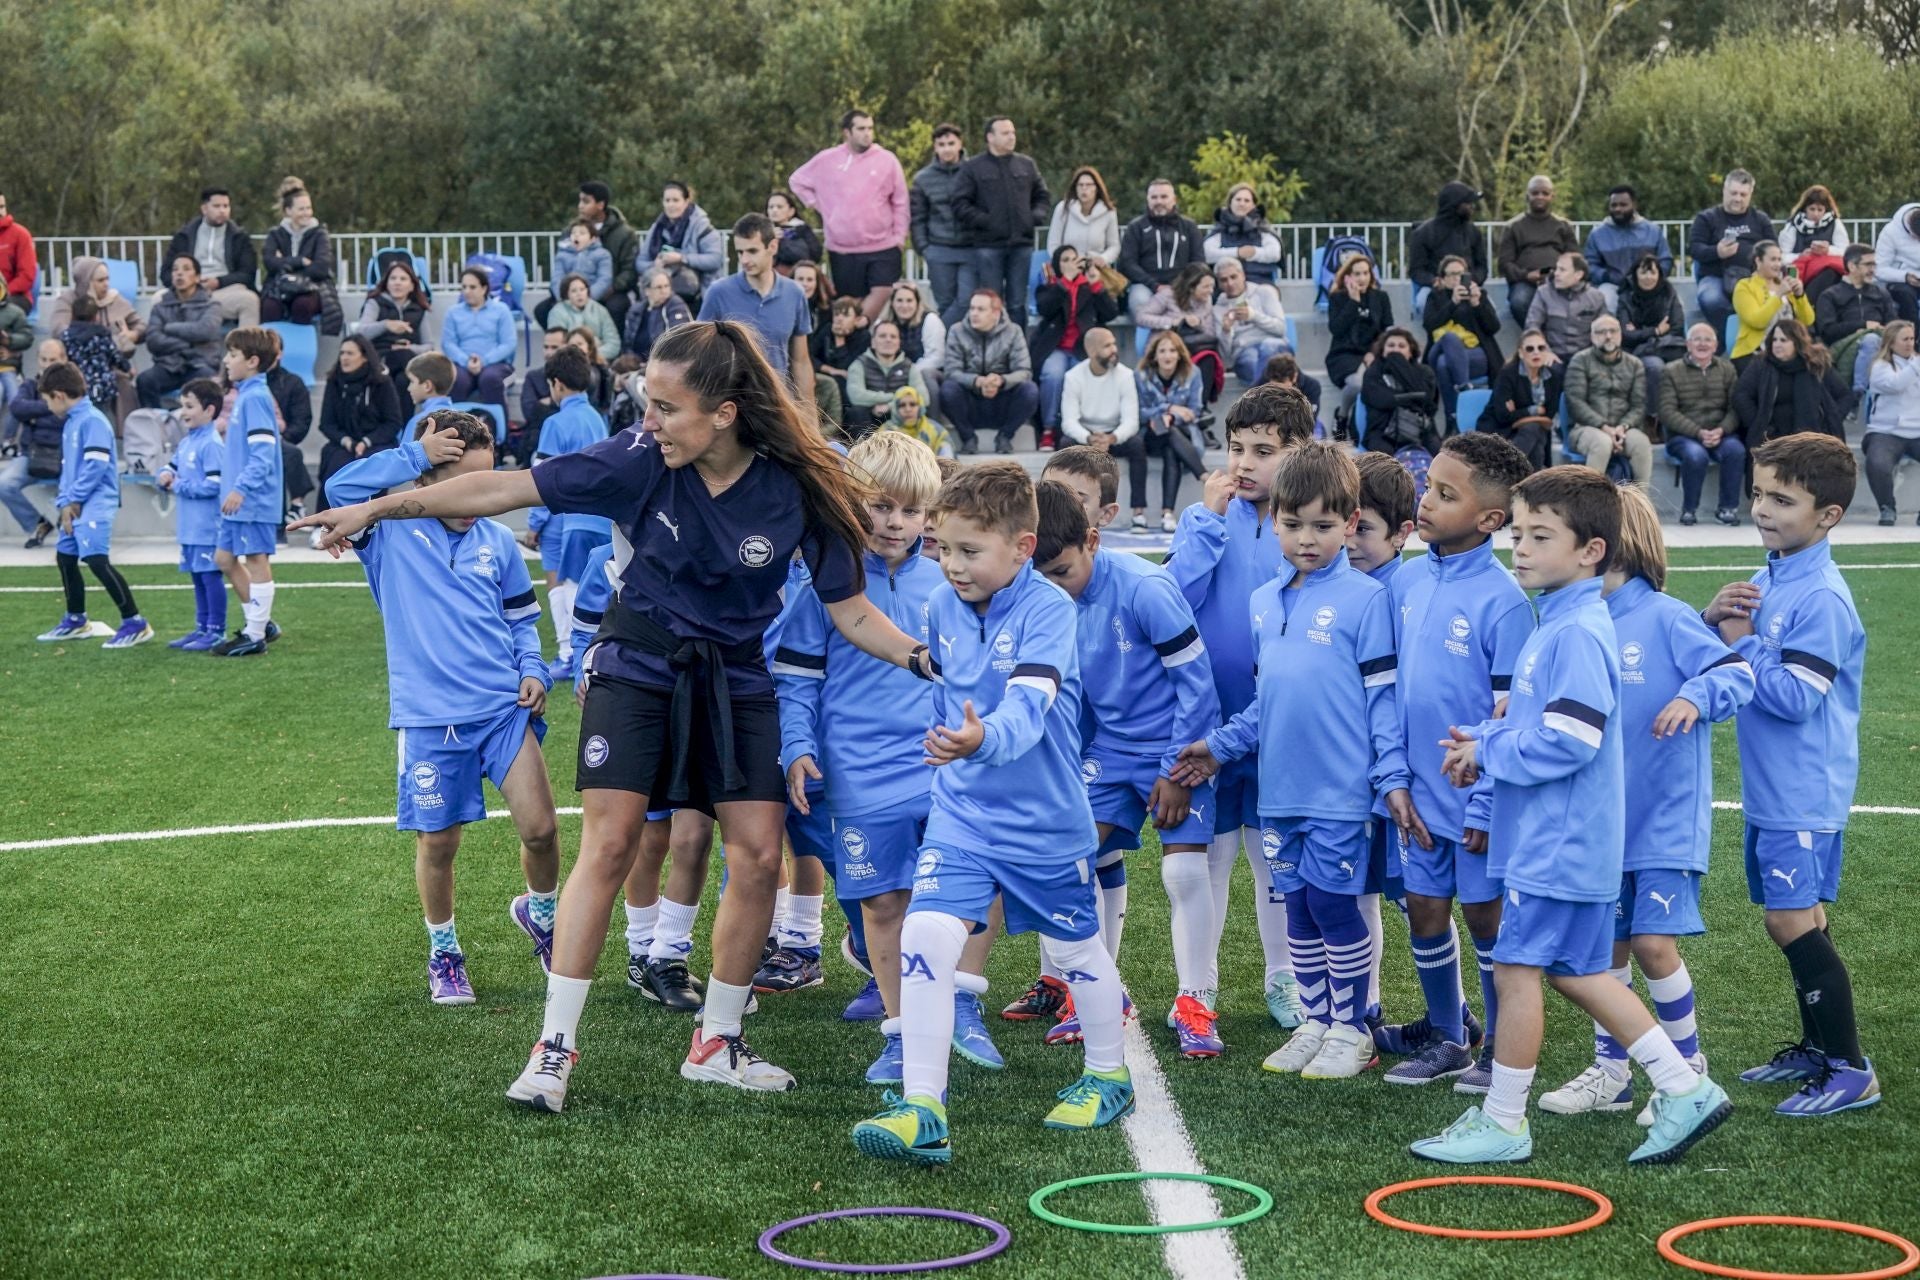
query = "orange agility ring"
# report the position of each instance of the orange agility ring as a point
(1603, 1208)
(1908, 1262)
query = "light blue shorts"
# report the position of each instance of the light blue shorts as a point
(441, 769)
(1447, 871)
(92, 531)
(875, 853)
(198, 558)
(1572, 939)
(1117, 790)
(1789, 870)
(1056, 900)
(247, 537)
(1658, 901)
(1330, 856)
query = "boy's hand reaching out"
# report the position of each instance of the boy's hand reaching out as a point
(945, 745)
(1197, 764)
(1678, 716)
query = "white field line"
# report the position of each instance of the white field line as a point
(1160, 1143)
(188, 586)
(1749, 568)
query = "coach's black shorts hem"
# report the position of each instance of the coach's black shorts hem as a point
(857, 274)
(626, 744)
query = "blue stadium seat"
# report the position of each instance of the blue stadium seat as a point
(1036, 271)
(299, 348)
(1293, 335)
(493, 411)
(1472, 404)
(124, 276)
(513, 292)
(1733, 331)
(419, 265)
(1565, 424)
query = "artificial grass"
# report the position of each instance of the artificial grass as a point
(224, 1060)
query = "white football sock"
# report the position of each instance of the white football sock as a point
(1096, 998)
(726, 1006)
(1370, 912)
(782, 898)
(560, 601)
(673, 930)
(565, 998)
(930, 947)
(1189, 888)
(255, 614)
(801, 925)
(1223, 854)
(1113, 903)
(1270, 910)
(1507, 1096)
(1662, 1062)
(263, 600)
(640, 926)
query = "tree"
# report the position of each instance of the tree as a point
(1223, 163)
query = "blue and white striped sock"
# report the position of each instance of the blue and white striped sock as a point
(1437, 962)
(1489, 996)
(1673, 1005)
(1307, 951)
(1609, 1053)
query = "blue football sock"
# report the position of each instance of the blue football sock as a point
(216, 589)
(1489, 998)
(1437, 961)
(1308, 951)
(1349, 952)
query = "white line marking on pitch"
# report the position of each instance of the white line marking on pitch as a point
(1160, 1143)
(1749, 568)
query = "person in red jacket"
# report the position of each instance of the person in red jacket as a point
(19, 265)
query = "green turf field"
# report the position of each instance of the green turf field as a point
(221, 1058)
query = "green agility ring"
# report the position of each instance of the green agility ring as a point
(1263, 1202)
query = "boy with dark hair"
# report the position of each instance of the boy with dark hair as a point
(1092, 475)
(1323, 633)
(1461, 621)
(1154, 696)
(573, 425)
(1222, 551)
(87, 500)
(429, 386)
(193, 477)
(467, 685)
(1559, 834)
(1387, 507)
(1795, 622)
(1009, 816)
(250, 513)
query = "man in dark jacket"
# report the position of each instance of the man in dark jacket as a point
(999, 198)
(619, 239)
(1721, 244)
(183, 335)
(1849, 314)
(1448, 232)
(228, 265)
(33, 424)
(938, 235)
(294, 400)
(1531, 244)
(1155, 245)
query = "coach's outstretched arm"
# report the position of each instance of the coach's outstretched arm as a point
(481, 493)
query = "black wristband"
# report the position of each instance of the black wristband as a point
(920, 662)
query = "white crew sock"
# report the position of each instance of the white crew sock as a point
(1662, 1062)
(801, 925)
(1370, 912)
(565, 998)
(263, 601)
(254, 613)
(1096, 998)
(560, 601)
(640, 926)
(930, 947)
(1507, 1096)
(1223, 854)
(1113, 902)
(1270, 910)
(1189, 887)
(782, 900)
(726, 1006)
(673, 930)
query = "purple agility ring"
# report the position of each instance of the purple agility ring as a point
(1002, 1237)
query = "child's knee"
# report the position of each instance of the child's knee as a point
(436, 849)
(1657, 953)
(1483, 918)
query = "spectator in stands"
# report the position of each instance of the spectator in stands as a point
(1358, 312)
(394, 319)
(1187, 309)
(835, 348)
(19, 263)
(759, 297)
(923, 334)
(1240, 232)
(580, 253)
(1401, 396)
(1071, 301)
(875, 379)
(988, 376)
(228, 264)
(1653, 324)
(36, 441)
(999, 197)
(939, 237)
(1616, 246)
(621, 242)
(1251, 321)
(1460, 321)
(1607, 403)
(1529, 246)
(630, 400)
(360, 411)
(1815, 242)
(1087, 220)
(1791, 387)
(861, 194)
(536, 394)
(1898, 251)
(293, 409)
(663, 310)
(91, 347)
(1771, 293)
(183, 335)
(1283, 370)
(600, 394)
(577, 309)
(1850, 316)
(1722, 242)
(478, 337)
(684, 241)
(1696, 416)
(1101, 401)
(1450, 231)
(799, 242)
(299, 262)
(16, 335)
(117, 314)
(1526, 399)
(1172, 416)
(1155, 247)
(818, 292)
(1566, 309)
(1893, 425)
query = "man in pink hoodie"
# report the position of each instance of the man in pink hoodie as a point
(20, 266)
(861, 194)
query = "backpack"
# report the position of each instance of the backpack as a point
(500, 282)
(1332, 254)
(147, 440)
(1416, 460)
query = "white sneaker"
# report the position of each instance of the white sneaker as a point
(1595, 1089)
(1298, 1051)
(543, 1085)
(1344, 1053)
(729, 1060)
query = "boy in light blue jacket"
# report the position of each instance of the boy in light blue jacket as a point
(193, 477)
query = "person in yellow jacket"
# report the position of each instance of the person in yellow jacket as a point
(1774, 291)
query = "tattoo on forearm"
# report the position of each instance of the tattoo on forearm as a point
(407, 509)
(857, 621)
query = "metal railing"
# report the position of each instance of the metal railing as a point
(445, 252)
